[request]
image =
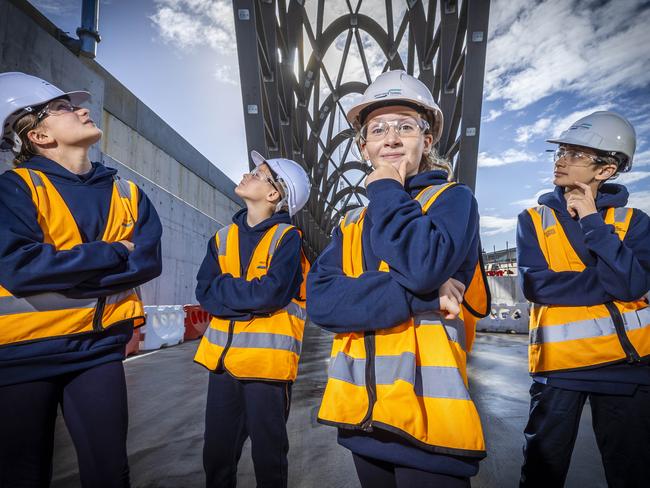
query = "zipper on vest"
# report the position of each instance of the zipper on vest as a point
(222, 358)
(371, 387)
(99, 313)
(630, 352)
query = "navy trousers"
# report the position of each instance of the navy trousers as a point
(621, 424)
(237, 410)
(373, 473)
(95, 411)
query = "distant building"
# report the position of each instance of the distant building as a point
(500, 263)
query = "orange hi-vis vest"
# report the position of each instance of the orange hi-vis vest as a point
(49, 315)
(409, 379)
(566, 338)
(266, 347)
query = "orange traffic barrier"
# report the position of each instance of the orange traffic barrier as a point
(133, 347)
(196, 321)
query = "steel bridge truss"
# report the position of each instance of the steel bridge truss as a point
(302, 64)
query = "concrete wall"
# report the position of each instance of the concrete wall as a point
(192, 196)
(185, 235)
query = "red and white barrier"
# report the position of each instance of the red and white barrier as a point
(196, 322)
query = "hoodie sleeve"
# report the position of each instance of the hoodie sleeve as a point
(339, 303)
(143, 264)
(544, 286)
(28, 264)
(623, 267)
(236, 298)
(406, 238)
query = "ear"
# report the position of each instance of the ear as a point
(273, 196)
(39, 137)
(364, 151)
(605, 172)
(428, 143)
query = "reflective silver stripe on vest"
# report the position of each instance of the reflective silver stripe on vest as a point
(455, 329)
(276, 237)
(620, 214)
(36, 178)
(427, 381)
(43, 302)
(548, 218)
(123, 187)
(223, 240)
(296, 310)
(353, 216)
(426, 196)
(49, 302)
(587, 329)
(253, 340)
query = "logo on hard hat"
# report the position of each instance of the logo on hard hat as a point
(584, 125)
(392, 91)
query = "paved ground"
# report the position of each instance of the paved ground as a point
(167, 396)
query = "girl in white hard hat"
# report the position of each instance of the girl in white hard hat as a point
(75, 242)
(390, 285)
(584, 261)
(252, 282)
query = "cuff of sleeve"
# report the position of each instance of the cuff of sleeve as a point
(376, 188)
(121, 250)
(592, 222)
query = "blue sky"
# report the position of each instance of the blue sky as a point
(548, 63)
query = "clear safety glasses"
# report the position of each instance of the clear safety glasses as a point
(404, 127)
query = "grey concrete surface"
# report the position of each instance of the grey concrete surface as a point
(167, 404)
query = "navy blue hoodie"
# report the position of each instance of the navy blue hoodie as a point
(92, 269)
(423, 251)
(237, 299)
(614, 270)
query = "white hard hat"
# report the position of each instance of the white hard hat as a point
(603, 131)
(398, 88)
(294, 178)
(19, 93)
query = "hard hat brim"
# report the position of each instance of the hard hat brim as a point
(257, 158)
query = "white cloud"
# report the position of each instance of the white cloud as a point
(491, 225)
(526, 132)
(190, 23)
(225, 74)
(491, 116)
(539, 48)
(510, 156)
(642, 158)
(641, 200)
(633, 177)
(532, 201)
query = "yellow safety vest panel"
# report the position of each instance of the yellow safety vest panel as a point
(409, 379)
(266, 347)
(564, 338)
(49, 315)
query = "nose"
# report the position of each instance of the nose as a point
(392, 137)
(82, 110)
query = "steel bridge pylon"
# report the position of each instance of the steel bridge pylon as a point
(302, 64)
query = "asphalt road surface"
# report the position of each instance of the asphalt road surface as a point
(167, 404)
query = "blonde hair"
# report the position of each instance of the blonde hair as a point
(22, 127)
(432, 161)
